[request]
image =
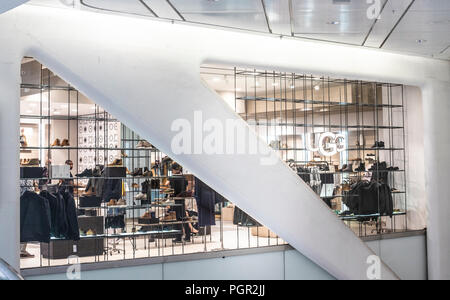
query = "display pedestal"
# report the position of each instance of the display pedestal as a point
(61, 249)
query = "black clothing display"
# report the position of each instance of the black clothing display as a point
(206, 199)
(379, 172)
(64, 221)
(366, 198)
(149, 185)
(96, 185)
(115, 222)
(112, 189)
(35, 220)
(179, 184)
(304, 174)
(48, 215)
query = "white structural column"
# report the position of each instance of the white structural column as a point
(437, 165)
(9, 162)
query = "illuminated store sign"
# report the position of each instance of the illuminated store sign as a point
(328, 144)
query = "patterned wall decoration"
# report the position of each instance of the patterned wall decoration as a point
(92, 133)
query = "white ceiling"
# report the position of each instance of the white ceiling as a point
(420, 27)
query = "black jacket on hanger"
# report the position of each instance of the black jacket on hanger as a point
(366, 198)
(206, 198)
(35, 220)
(64, 221)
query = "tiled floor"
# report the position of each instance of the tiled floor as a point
(233, 238)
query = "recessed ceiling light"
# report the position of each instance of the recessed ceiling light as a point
(292, 87)
(334, 23)
(317, 87)
(421, 41)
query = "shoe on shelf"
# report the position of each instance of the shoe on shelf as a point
(143, 145)
(85, 173)
(65, 143)
(116, 163)
(141, 196)
(26, 254)
(90, 232)
(148, 174)
(121, 202)
(34, 162)
(147, 215)
(378, 145)
(56, 143)
(137, 172)
(348, 169)
(89, 192)
(124, 154)
(112, 202)
(167, 191)
(393, 169)
(361, 168)
(170, 217)
(135, 185)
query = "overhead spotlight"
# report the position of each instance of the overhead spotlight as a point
(317, 87)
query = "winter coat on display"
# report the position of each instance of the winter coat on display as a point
(366, 198)
(206, 198)
(35, 219)
(64, 221)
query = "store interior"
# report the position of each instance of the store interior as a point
(99, 192)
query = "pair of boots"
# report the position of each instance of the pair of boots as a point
(142, 172)
(349, 168)
(58, 143)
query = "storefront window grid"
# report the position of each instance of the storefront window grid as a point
(284, 81)
(277, 106)
(112, 245)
